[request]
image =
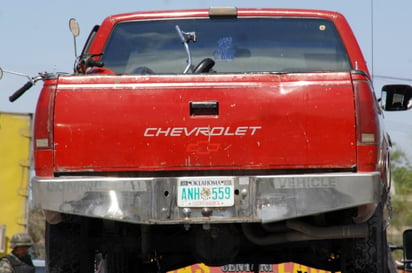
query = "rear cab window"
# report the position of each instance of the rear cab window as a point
(237, 45)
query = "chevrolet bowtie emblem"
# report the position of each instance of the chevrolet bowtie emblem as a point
(203, 147)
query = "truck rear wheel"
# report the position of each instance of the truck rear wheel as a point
(366, 255)
(67, 249)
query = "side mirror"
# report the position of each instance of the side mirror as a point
(396, 97)
(407, 250)
(74, 27)
(75, 30)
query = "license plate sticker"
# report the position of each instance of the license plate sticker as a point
(205, 192)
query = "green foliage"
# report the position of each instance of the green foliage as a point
(399, 158)
(401, 197)
(402, 178)
(401, 212)
(401, 173)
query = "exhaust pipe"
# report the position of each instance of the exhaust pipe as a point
(300, 231)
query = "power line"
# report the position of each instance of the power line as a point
(392, 78)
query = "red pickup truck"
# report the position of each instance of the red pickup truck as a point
(220, 136)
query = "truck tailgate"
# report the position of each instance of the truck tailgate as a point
(204, 122)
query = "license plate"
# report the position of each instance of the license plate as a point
(205, 192)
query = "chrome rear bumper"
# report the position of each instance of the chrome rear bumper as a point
(257, 198)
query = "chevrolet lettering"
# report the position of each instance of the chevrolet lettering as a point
(202, 131)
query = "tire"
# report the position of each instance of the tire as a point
(67, 249)
(368, 255)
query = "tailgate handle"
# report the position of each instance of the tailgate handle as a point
(204, 108)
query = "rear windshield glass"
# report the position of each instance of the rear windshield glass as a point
(235, 45)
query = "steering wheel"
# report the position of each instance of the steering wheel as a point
(142, 70)
(204, 66)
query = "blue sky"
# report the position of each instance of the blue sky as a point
(35, 38)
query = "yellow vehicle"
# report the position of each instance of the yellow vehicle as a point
(15, 145)
(249, 268)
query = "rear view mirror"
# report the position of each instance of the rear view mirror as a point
(407, 250)
(396, 97)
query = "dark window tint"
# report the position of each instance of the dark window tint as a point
(236, 45)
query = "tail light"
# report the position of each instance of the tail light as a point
(367, 123)
(43, 130)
